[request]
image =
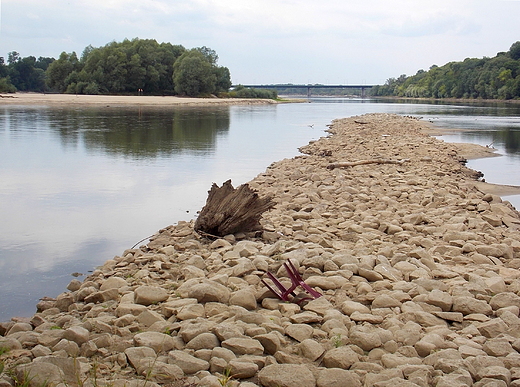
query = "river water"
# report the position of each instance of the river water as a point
(80, 185)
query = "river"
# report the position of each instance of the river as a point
(80, 185)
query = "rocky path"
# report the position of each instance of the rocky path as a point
(419, 272)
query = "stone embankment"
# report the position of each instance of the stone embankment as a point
(419, 271)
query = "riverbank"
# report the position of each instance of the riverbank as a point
(452, 100)
(121, 100)
(419, 271)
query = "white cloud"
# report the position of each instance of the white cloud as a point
(276, 40)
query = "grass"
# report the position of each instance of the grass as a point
(226, 377)
(337, 341)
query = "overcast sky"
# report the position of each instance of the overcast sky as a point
(276, 41)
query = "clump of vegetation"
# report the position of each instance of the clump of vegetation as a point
(137, 66)
(241, 91)
(486, 78)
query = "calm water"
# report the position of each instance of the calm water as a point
(79, 186)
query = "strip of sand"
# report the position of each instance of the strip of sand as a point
(121, 100)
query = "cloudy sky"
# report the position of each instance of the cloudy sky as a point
(276, 41)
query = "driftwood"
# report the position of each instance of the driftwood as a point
(229, 210)
(347, 164)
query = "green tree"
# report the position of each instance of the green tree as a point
(193, 74)
(24, 74)
(514, 51)
(59, 71)
(223, 76)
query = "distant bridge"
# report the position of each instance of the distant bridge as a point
(309, 87)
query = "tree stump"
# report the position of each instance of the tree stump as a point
(230, 211)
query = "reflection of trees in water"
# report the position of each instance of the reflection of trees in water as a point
(511, 139)
(141, 132)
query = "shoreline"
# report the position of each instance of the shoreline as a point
(122, 100)
(418, 269)
(465, 100)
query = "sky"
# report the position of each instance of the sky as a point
(276, 41)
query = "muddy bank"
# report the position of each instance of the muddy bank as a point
(419, 272)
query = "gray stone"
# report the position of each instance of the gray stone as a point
(39, 374)
(243, 346)
(503, 300)
(311, 349)
(242, 369)
(365, 340)
(113, 283)
(342, 357)
(270, 342)
(188, 363)
(136, 354)
(77, 334)
(349, 307)
(148, 295)
(469, 305)
(158, 371)
(244, 298)
(299, 332)
(203, 341)
(159, 342)
(287, 375)
(209, 291)
(336, 377)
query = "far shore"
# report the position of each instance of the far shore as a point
(121, 100)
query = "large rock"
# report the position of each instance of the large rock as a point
(244, 346)
(287, 375)
(336, 377)
(148, 295)
(469, 305)
(299, 332)
(159, 342)
(209, 291)
(77, 334)
(39, 374)
(188, 363)
(342, 357)
(244, 298)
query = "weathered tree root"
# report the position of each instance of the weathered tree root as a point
(229, 210)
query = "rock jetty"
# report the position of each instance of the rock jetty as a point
(419, 271)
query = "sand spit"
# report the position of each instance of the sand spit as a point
(121, 100)
(419, 271)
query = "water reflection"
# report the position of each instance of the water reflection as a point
(131, 132)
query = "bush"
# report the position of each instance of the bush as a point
(6, 86)
(243, 92)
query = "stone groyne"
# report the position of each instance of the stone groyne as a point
(419, 271)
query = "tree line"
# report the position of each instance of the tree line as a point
(128, 67)
(486, 78)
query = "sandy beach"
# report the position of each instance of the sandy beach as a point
(121, 100)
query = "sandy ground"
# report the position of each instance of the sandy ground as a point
(120, 100)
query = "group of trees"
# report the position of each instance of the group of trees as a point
(486, 78)
(24, 74)
(120, 68)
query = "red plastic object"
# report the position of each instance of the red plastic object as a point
(284, 293)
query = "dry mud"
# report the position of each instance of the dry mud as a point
(418, 267)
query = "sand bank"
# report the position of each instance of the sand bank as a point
(121, 100)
